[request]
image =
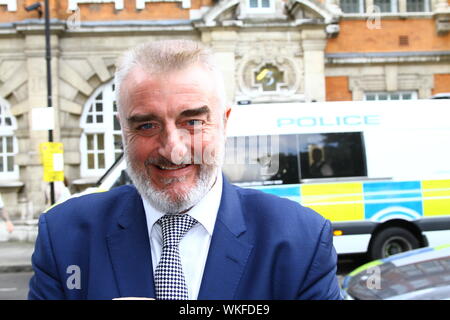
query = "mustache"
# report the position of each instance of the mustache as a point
(162, 161)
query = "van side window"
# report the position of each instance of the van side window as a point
(268, 160)
(262, 160)
(288, 163)
(332, 155)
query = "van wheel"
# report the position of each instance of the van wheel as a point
(391, 241)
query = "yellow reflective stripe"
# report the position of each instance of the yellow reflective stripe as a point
(444, 246)
(345, 201)
(436, 197)
(344, 188)
(335, 201)
(365, 267)
(330, 198)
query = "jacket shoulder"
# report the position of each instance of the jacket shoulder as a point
(93, 205)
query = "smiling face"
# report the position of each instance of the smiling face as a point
(174, 135)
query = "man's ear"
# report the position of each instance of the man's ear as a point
(226, 116)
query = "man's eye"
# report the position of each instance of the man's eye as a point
(146, 126)
(194, 123)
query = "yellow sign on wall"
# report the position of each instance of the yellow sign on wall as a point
(52, 160)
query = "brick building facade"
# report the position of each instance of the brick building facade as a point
(270, 51)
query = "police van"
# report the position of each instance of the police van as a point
(378, 170)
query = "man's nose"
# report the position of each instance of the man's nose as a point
(174, 145)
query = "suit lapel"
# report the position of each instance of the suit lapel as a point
(228, 252)
(129, 249)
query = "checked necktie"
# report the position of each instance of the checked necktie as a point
(169, 278)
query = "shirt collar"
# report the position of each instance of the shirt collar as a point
(205, 211)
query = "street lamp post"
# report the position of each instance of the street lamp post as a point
(48, 57)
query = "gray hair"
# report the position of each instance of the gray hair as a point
(164, 56)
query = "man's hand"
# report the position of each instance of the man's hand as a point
(9, 226)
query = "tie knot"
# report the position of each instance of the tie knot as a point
(174, 227)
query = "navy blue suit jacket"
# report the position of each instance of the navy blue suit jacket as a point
(263, 247)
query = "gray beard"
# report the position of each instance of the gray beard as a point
(161, 199)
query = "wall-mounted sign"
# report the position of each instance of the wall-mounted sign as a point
(52, 157)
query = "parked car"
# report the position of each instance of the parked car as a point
(421, 274)
(444, 95)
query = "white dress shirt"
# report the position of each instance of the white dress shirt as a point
(194, 246)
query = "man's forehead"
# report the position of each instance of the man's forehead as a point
(139, 74)
(190, 88)
(192, 84)
(183, 113)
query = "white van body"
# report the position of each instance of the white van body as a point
(388, 183)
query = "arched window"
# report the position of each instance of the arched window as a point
(101, 141)
(8, 143)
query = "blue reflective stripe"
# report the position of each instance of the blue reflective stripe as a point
(392, 190)
(345, 282)
(406, 254)
(405, 214)
(282, 191)
(382, 199)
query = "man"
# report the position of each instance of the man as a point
(319, 167)
(5, 216)
(182, 231)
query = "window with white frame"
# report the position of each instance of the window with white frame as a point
(386, 5)
(417, 6)
(352, 6)
(8, 143)
(101, 141)
(398, 95)
(261, 6)
(73, 4)
(11, 4)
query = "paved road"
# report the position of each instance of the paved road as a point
(348, 263)
(14, 286)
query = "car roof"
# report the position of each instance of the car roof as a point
(436, 293)
(443, 95)
(418, 255)
(403, 274)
